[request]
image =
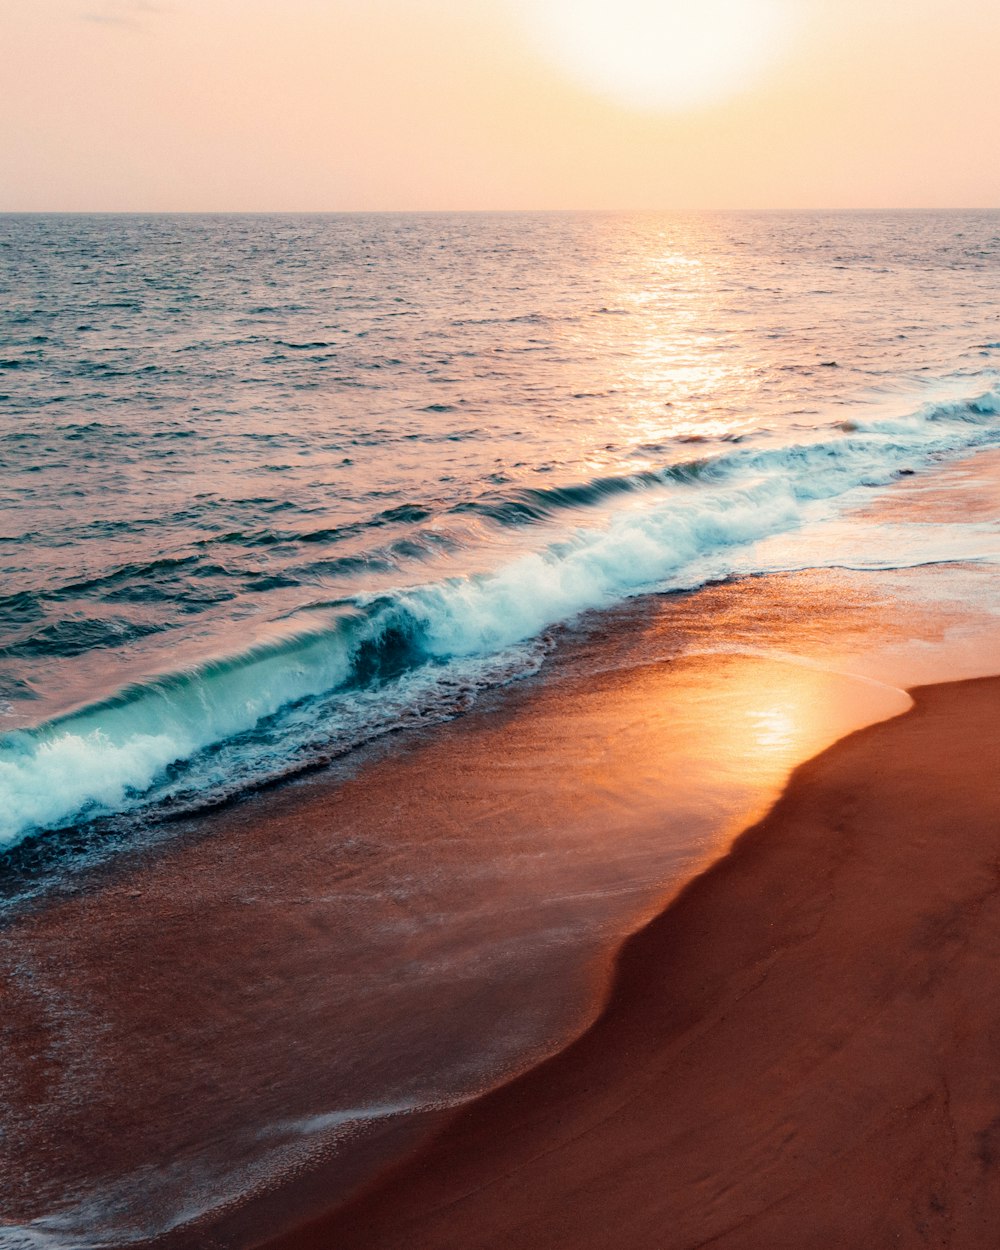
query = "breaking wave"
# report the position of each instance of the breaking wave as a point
(371, 663)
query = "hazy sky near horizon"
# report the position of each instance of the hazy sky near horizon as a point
(504, 104)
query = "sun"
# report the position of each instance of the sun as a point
(660, 55)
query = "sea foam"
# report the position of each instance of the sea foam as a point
(365, 663)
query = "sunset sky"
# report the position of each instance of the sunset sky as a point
(497, 104)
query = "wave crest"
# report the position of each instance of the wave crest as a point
(370, 663)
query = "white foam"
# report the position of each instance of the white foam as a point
(698, 524)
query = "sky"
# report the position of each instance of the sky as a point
(320, 105)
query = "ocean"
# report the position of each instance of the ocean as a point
(281, 495)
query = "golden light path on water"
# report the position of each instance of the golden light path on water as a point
(658, 346)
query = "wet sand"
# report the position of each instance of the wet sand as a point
(803, 1050)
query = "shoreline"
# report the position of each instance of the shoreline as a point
(799, 1050)
(417, 928)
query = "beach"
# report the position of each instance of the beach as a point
(277, 1039)
(800, 1051)
(499, 626)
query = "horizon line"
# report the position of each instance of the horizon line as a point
(428, 212)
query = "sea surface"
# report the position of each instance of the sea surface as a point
(274, 488)
(272, 485)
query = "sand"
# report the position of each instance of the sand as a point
(803, 1050)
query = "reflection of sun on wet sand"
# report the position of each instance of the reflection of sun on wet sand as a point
(800, 1051)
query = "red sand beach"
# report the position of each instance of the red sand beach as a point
(801, 1051)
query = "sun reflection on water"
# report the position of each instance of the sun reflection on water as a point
(681, 365)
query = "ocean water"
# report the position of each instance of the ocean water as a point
(273, 485)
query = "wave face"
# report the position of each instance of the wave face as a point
(270, 486)
(373, 662)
